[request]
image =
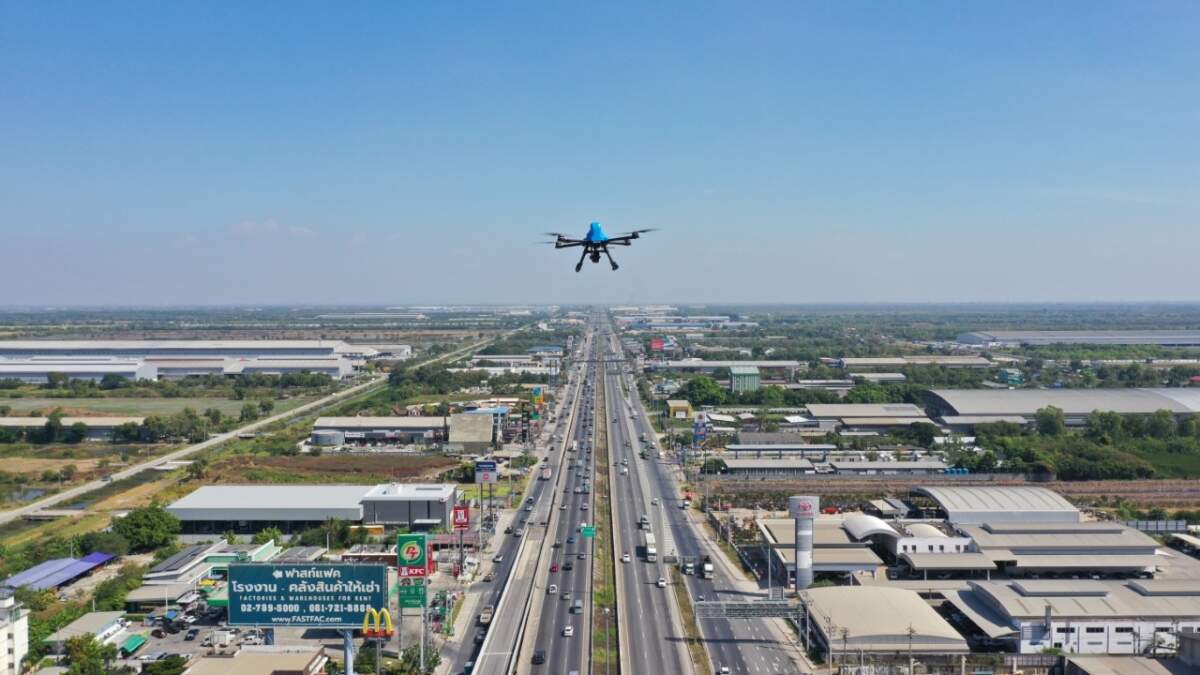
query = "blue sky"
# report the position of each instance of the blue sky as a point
(219, 153)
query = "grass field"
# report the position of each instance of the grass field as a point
(135, 407)
(332, 469)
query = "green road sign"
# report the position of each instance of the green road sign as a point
(588, 532)
(412, 593)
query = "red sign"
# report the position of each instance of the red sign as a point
(656, 345)
(462, 517)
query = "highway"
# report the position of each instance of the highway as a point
(562, 587)
(652, 633)
(747, 646)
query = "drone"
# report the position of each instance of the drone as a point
(594, 243)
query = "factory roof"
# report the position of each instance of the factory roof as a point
(271, 502)
(1098, 664)
(1116, 337)
(827, 410)
(983, 503)
(926, 359)
(948, 561)
(1051, 539)
(1097, 600)
(898, 465)
(879, 618)
(971, 420)
(31, 422)
(411, 422)
(697, 363)
(412, 492)
(767, 464)
(768, 437)
(1071, 401)
(300, 554)
(88, 624)
(883, 421)
(860, 526)
(743, 370)
(8, 368)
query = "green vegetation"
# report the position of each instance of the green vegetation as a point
(147, 528)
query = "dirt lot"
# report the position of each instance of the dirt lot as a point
(38, 465)
(328, 468)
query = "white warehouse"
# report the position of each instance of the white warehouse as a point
(37, 371)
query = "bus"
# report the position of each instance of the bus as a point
(651, 547)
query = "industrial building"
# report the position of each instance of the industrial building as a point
(701, 366)
(914, 467)
(978, 504)
(744, 378)
(1014, 338)
(187, 567)
(834, 551)
(214, 509)
(98, 428)
(145, 349)
(767, 468)
(837, 411)
(37, 371)
(1081, 616)
(1076, 404)
(847, 621)
(951, 361)
(792, 450)
(105, 627)
(393, 430)
(679, 409)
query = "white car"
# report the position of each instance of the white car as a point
(568, 631)
(625, 557)
(662, 582)
(654, 502)
(553, 590)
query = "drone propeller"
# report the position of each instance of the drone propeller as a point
(555, 234)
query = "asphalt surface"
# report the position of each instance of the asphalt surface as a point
(565, 654)
(652, 641)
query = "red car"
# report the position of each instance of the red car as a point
(554, 567)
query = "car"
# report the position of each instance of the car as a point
(625, 557)
(568, 566)
(582, 555)
(566, 595)
(557, 543)
(654, 502)
(498, 559)
(662, 582)
(723, 670)
(490, 576)
(539, 657)
(568, 631)
(552, 589)
(520, 531)
(562, 507)
(554, 567)
(529, 507)
(480, 636)
(158, 633)
(583, 506)
(508, 530)
(191, 634)
(571, 539)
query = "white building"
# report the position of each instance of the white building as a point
(1083, 616)
(14, 631)
(37, 371)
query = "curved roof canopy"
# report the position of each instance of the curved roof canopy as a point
(861, 527)
(986, 504)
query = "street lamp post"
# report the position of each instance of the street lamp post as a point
(607, 649)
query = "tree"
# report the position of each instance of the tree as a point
(172, 665)
(266, 406)
(1051, 421)
(213, 415)
(230, 537)
(1161, 424)
(86, 656)
(1104, 427)
(269, 534)
(56, 380)
(868, 393)
(126, 433)
(107, 542)
(147, 528)
(197, 469)
(68, 472)
(75, 433)
(704, 390)
(52, 431)
(113, 381)
(249, 413)
(4, 410)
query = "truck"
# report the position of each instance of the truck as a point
(485, 617)
(644, 522)
(574, 446)
(546, 473)
(688, 564)
(706, 568)
(650, 546)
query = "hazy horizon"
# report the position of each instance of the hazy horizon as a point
(230, 155)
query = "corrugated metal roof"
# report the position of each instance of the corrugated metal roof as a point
(828, 410)
(1075, 402)
(879, 617)
(411, 422)
(967, 504)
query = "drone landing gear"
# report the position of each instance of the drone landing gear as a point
(610, 260)
(582, 257)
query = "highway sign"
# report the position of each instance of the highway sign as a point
(486, 472)
(411, 555)
(305, 595)
(588, 532)
(412, 593)
(462, 517)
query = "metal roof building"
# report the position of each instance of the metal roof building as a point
(140, 349)
(880, 619)
(1166, 338)
(37, 371)
(1075, 403)
(840, 410)
(1000, 504)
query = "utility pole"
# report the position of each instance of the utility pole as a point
(911, 632)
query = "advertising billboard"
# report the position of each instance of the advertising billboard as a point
(411, 555)
(486, 472)
(311, 595)
(461, 517)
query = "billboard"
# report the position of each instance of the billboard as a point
(656, 345)
(312, 595)
(461, 517)
(411, 555)
(803, 508)
(486, 472)
(412, 593)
